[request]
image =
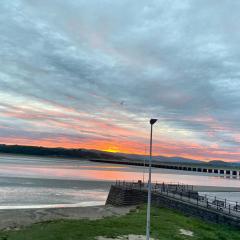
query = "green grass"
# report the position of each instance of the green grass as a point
(165, 225)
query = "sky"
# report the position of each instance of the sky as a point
(90, 74)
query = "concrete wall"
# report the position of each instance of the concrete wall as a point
(120, 196)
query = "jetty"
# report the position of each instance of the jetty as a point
(179, 197)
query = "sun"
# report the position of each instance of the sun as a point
(112, 149)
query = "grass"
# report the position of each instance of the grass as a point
(165, 225)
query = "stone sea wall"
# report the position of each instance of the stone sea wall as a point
(121, 196)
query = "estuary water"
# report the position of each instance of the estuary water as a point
(36, 182)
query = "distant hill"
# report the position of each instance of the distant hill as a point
(96, 154)
(217, 162)
(159, 158)
(176, 159)
(222, 163)
(55, 152)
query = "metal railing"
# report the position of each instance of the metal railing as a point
(186, 193)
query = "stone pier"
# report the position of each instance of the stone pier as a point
(124, 196)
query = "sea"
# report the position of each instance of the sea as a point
(44, 182)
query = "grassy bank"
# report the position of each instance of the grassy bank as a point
(166, 224)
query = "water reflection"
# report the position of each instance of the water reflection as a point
(108, 172)
(56, 180)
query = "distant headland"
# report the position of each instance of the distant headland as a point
(79, 153)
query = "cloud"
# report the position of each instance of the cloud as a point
(67, 67)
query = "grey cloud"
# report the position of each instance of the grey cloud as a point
(173, 59)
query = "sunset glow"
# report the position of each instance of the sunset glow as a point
(75, 75)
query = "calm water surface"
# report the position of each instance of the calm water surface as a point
(46, 182)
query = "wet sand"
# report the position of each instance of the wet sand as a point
(15, 219)
(90, 184)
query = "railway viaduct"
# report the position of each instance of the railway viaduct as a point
(221, 170)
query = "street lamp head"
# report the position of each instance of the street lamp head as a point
(152, 121)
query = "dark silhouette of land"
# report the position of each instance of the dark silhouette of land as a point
(55, 152)
(101, 155)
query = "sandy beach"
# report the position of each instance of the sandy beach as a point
(14, 219)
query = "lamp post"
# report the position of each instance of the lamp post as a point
(152, 121)
(144, 165)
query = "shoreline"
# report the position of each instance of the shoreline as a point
(18, 218)
(105, 184)
(95, 203)
(166, 224)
